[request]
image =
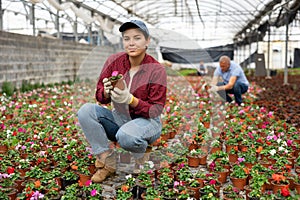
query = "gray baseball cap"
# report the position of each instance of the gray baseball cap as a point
(135, 24)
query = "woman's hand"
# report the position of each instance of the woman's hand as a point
(107, 87)
(121, 96)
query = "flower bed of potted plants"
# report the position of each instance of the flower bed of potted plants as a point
(35, 131)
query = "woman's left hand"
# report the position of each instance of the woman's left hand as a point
(121, 96)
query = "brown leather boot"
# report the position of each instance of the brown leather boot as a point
(100, 158)
(108, 169)
(101, 175)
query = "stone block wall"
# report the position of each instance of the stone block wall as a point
(44, 60)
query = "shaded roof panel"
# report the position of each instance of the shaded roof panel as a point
(211, 23)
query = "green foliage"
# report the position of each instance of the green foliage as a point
(238, 172)
(8, 88)
(186, 72)
(71, 192)
(70, 175)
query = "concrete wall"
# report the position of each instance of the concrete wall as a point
(37, 60)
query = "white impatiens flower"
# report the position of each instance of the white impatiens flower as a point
(272, 152)
(61, 118)
(279, 140)
(193, 151)
(284, 143)
(128, 176)
(151, 164)
(281, 148)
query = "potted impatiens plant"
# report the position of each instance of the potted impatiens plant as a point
(114, 79)
(151, 194)
(69, 178)
(279, 181)
(238, 176)
(124, 193)
(93, 190)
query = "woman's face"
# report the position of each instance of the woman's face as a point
(135, 42)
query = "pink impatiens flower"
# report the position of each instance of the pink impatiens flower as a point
(176, 183)
(241, 160)
(93, 192)
(88, 182)
(289, 142)
(114, 73)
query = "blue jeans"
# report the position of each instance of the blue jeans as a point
(237, 90)
(100, 125)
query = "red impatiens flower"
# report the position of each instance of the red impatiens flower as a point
(69, 157)
(285, 192)
(10, 170)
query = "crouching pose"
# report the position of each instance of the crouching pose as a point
(134, 122)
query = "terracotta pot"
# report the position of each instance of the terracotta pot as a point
(215, 149)
(23, 172)
(193, 161)
(292, 183)
(193, 146)
(83, 178)
(249, 165)
(269, 186)
(195, 191)
(201, 181)
(297, 187)
(3, 149)
(227, 167)
(203, 160)
(233, 157)
(278, 187)
(19, 186)
(266, 164)
(12, 194)
(118, 83)
(229, 147)
(239, 182)
(92, 168)
(223, 176)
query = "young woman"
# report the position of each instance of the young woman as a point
(134, 122)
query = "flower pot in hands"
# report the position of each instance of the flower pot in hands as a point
(118, 83)
(117, 80)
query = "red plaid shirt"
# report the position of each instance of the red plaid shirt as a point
(149, 84)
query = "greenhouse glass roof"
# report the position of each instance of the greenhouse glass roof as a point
(212, 23)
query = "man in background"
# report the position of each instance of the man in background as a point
(202, 70)
(233, 81)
